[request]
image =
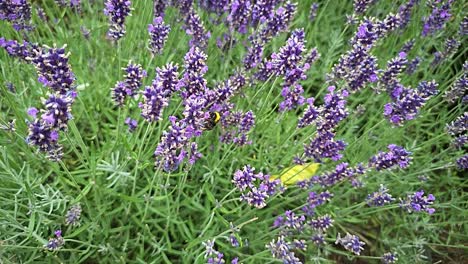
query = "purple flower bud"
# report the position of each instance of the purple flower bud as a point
(158, 32)
(117, 11)
(322, 223)
(132, 124)
(17, 12)
(380, 198)
(55, 243)
(239, 15)
(388, 160)
(32, 112)
(194, 28)
(360, 6)
(459, 88)
(462, 162)
(310, 114)
(73, 215)
(389, 258)
(283, 250)
(351, 243)
(417, 202)
(438, 17)
(313, 11)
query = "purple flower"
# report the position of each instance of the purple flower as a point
(263, 10)
(218, 259)
(333, 110)
(292, 97)
(283, 250)
(17, 12)
(451, 47)
(322, 223)
(117, 11)
(404, 11)
(417, 202)
(73, 215)
(313, 11)
(56, 242)
(58, 110)
(154, 102)
(387, 160)
(130, 85)
(412, 65)
(324, 145)
(171, 150)
(245, 178)
(310, 114)
(380, 198)
(32, 112)
(132, 124)
(459, 88)
(406, 105)
(158, 32)
(239, 15)
(246, 181)
(159, 7)
(194, 28)
(194, 115)
(428, 89)
(290, 221)
(389, 258)
(318, 239)
(459, 126)
(394, 67)
(342, 171)
(195, 68)
(360, 6)
(315, 200)
(464, 26)
(278, 23)
(234, 241)
(357, 67)
(236, 126)
(53, 69)
(438, 17)
(351, 243)
(462, 162)
(42, 135)
(291, 54)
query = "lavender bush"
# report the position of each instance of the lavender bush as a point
(233, 131)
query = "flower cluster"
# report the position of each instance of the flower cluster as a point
(351, 243)
(326, 118)
(193, 26)
(17, 12)
(256, 188)
(459, 88)
(394, 67)
(342, 172)
(55, 243)
(117, 11)
(156, 97)
(283, 250)
(54, 72)
(404, 11)
(389, 258)
(462, 162)
(73, 215)
(158, 32)
(458, 129)
(132, 124)
(417, 202)
(360, 6)
(438, 17)
(380, 198)
(313, 11)
(407, 102)
(239, 13)
(274, 25)
(237, 126)
(192, 81)
(159, 8)
(396, 156)
(133, 77)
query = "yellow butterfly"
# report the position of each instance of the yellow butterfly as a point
(297, 173)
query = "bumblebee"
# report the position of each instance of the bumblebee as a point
(211, 122)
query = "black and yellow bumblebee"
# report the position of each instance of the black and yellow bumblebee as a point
(211, 122)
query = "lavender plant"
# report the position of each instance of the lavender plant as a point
(169, 144)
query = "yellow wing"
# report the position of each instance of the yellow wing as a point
(294, 174)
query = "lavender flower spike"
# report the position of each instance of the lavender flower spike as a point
(417, 202)
(117, 11)
(158, 32)
(396, 156)
(351, 243)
